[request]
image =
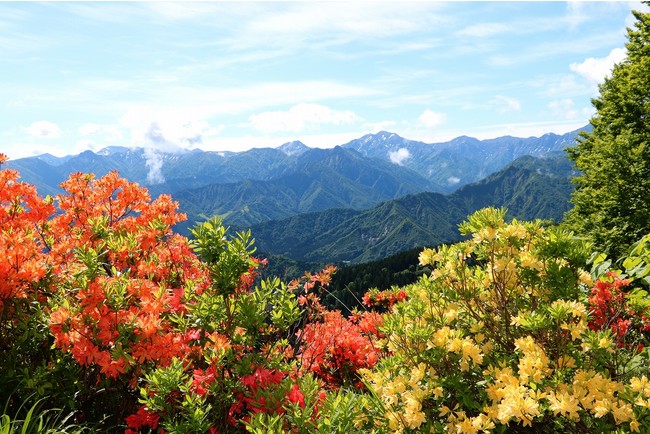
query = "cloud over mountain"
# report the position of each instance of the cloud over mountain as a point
(301, 117)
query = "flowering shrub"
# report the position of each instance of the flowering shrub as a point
(384, 300)
(498, 339)
(612, 309)
(145, 330)
(336, 348)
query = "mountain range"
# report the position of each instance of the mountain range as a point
(529, 187)
(362, 200)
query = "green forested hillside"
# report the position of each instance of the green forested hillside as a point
(529, 188)
(317, 180)
(350, 282)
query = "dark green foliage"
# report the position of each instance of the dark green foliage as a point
(285, 268)
(351, 282)
(612, 196)
(529, 187)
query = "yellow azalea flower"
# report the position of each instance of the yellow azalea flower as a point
(634, 425)
(565, 362)
(477, 327)
(450, 315)
(529, 261)
(414, 419)
(563, 403)
(455, 345)
(428, 257)
(466, 427)
(441, 336)
(504, 264)
(417, 374)
(444, 410)
(601, 408)
(484, 234)
(469, 350)
(605, 343)
(640, 385)
(585, 278)
(622, 412)
(516, 230)
(487, 347)
(576, 329)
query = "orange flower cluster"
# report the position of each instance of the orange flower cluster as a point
(383, 299)
(610, 309)
(336, 348)
(122, 272)
(23, 217)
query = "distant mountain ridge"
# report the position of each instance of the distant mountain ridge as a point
(370, 198)
(460, 161)
(316, 180)
(445, 166)
(529, 187)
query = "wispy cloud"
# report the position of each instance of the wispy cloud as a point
(483, 30)
(44, 130)
(105, 133)
(505, 104)
(301, 117)
(564, 108)
(166, 130)
(243, 74)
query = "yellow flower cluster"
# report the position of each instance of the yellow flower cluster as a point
(502, 319)
(402, 395)
(459, 422)
(534, 365)
(451, 340)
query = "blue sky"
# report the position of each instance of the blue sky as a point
(236, 75)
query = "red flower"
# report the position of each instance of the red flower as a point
(295, 395)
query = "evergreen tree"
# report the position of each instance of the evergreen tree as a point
(612, 196)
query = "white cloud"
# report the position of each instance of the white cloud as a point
(576, 14)
(595, 69)
(453, 180)
(375, 127)
(306, 21)
(167, 130)
(154, 163)
(431, 119)
(301, 117)
(108, 132)
(483, 30)
(400, 156)
(564, 108)
(506, 104)
(16, 150)
(44, 130)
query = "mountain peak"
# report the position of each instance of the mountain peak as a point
(382, 140)
(384, 136)
(112, 150)
(464, 139)
(294, 148)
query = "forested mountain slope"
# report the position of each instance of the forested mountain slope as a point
(529, 187)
